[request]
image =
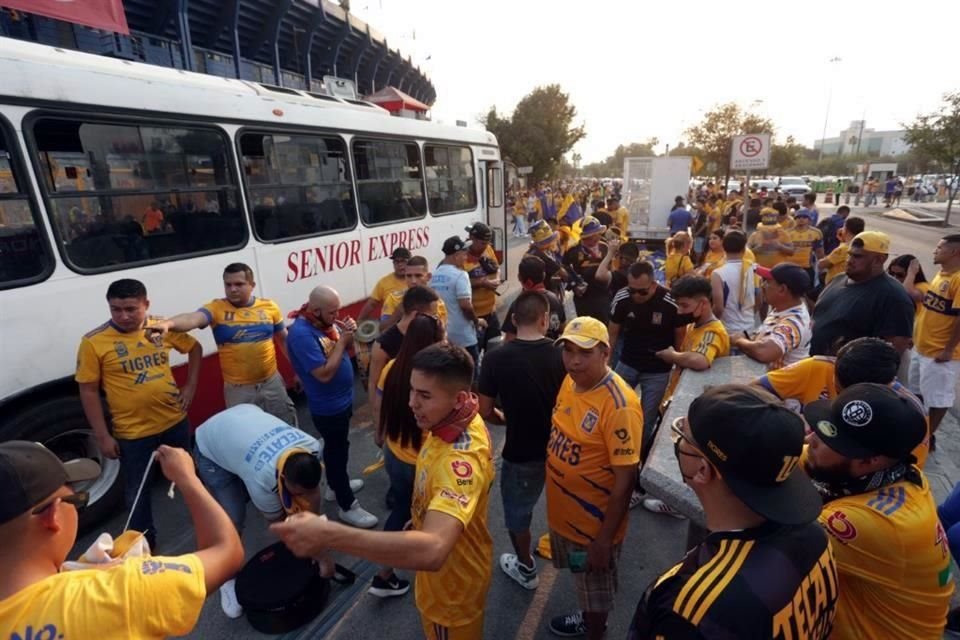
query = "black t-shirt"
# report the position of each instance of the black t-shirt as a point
(558, 317)
(391, 341)
(595, 301)
(745, 584)
(552, 262)
(878, 308)
(526, 375)
(646, 328)
(618, 280)
(604, 218)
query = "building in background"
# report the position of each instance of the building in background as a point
(857, 138)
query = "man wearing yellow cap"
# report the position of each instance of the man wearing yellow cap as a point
(584, 259)
(592, 457)
(864, 301)
(770, 242)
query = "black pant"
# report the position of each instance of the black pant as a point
(335, 430)
(491, 332)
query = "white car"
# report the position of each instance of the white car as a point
(794, 186)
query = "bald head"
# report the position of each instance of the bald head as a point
(324, 295)
(324, 304)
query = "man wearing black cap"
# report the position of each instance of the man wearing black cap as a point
(784, 336)
(452, 284)
(484, 271)
(390, 283)
(891, 552)
(140, 597)
(765, 570)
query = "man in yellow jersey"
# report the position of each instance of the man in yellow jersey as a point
(936, 334)
(836, 262)
(484, 271)
(770, 242)
(415, 274)
(147, 408)
(248, 331)
(620, 214)
(448, 545)
(891, 551)
(592, 457)
(141, 597)
(393, 281)
(765, 570)
(807, 241)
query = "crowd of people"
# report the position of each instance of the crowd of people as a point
(820, 520)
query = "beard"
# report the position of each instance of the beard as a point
(833, 474)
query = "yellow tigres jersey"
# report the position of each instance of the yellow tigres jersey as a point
(837, 261)
(455, 479)
(893, 561)
(387, 284)
(711, 340)
(676, 266)
(484, 300)
(762, 241)
(244, 337)
(712, 261)
(714, 218)
(134, 373)
(938, 315)
(805, 242)
(805, 381)
(621, 219)
(394, 301)
(591, 431)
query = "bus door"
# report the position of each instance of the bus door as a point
(495, 211)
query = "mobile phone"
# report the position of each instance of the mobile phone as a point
(577, 561)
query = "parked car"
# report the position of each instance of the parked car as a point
(794, 186)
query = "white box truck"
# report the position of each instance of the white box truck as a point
(649, 188)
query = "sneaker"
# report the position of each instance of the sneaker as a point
(569, 626)
(659, 506)
(330, 495)
(636, 498)
(357, 516)
(526, 578)
(228, 600)
(388, 588)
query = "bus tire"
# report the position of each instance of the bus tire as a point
(60, 425)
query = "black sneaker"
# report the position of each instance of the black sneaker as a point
(953, 623)
(388, 588)
(569, 626)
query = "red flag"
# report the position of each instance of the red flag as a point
(99, 14)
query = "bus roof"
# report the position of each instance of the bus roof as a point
(40, 74)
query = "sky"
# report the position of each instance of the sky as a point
(636, 69)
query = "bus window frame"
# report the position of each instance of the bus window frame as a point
(366, 137)
(19, 165)
(100, 117)
(251, 223)
(473, 167)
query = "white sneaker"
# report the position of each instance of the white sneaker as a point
(357, 516)
(228, 599)
(659, 506)
(355, 485)
(510, 565)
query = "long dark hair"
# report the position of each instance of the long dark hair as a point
(396, 418)
(903, 262)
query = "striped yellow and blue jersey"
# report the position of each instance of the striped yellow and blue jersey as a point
(134, 373)
(772, 581)
(591, 432)
(244, 337)
(938, 315)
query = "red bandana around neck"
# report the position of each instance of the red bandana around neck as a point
(331, 331)
(450, 428)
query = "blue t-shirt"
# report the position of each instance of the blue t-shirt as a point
(679, 219)
(453, 285)
(308, 348)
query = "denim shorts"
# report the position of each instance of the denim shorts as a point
(521, 484)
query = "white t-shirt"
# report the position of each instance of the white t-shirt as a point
(248, 442)
(791, 330)
(738, 315)
(453, 285)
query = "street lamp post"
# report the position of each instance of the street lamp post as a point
(826, 117)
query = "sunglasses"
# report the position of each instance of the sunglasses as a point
(638, 292)
(677, 436)
(78, 500)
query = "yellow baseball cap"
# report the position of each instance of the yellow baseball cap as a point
(585, 332)
(873, 241)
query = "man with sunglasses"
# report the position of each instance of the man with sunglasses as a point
(393, 281)
(766, 569)
(151, 597)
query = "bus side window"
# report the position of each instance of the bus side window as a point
(122, 194)
(389, 181)
(451, 184)
(297, 185)
(24, 255)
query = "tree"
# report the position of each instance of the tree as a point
(937, 136)
(538, 132)
(784, 156)
(612, 166)
(714, 133)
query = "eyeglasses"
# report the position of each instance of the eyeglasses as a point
(638, 292)
(78, 499)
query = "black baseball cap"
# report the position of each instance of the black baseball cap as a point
(793, 276)
(454, 244)
(31, 473)
(868, 419)
(401, 253)
(755, 442)
(480, 231)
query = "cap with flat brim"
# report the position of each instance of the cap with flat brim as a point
(793, 501)
(819, 416)
(81, 470)
(581, 341)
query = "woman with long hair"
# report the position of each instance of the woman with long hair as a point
(715, 255)
(678, 262)
(398, 431)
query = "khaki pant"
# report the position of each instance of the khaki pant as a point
(270, 395)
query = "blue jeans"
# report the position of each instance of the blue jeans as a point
(617, 350)
(134, 455)
(402, 475)
(335, 432)
(949, 513)
(521, 484)
(225, 487)
(652, 387)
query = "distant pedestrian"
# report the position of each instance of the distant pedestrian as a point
(452, 284)
(784, 336)
(482, 267)
(734, 286)
(680, 218)
(531, 272)
(591, 296)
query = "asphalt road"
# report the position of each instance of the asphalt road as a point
(653, 542)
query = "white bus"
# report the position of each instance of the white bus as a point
(111, 169)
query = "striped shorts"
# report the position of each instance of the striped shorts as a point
(596, 590)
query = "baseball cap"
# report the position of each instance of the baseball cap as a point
(793, 276)
(30, 473)
(585, 332)
(453, 244)
(401, 253)
(868, 419)
(753, 439)
(591, 227)
(480, 231)
(874, 241)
